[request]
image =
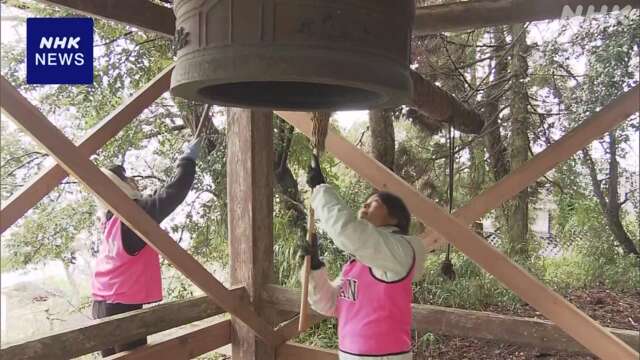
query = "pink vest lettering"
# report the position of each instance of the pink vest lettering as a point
(122, 278)
(374, 316)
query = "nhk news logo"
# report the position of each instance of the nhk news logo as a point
(591, 10)
(59, 51)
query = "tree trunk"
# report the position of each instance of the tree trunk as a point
(286, 183)
(477, 168)
(383, 140)
(609, 203)
(495, 145)
(518, 219)
(477, 164)
(496, 148)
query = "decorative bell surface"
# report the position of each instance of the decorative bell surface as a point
(300, 55)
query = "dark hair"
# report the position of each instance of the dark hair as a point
(119, 171)
(397, 209)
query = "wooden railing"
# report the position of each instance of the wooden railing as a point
(209, 332)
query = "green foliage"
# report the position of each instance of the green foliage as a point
(20, 160)
(51, 232)
(578, 271)
(473, 288)
(285, 252)
(7, 264)
(321, 335)
(125, 60)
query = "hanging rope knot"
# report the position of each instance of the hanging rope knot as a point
(447, 269)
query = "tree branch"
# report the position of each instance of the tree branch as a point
(21, 156)
(595, 183)
(119, 37)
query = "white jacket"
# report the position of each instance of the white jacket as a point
(388, 255)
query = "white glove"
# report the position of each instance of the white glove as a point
(192, 150)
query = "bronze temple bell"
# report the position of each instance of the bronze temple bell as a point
(305, 55)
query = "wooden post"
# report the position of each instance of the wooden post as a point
(250, 209)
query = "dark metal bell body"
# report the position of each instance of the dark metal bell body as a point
(300, 55)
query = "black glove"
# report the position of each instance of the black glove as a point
(306, 248)
(314, 173)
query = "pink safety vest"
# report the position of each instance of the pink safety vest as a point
(374, 316)
(122, 278)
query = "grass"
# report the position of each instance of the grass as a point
(6, 264)
(573, 272)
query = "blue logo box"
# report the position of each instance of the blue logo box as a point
(59, 51)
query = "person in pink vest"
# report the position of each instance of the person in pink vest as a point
(127, 271)
(372, 297)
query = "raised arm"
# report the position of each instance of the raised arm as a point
(375, 247)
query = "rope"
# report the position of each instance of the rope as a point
(447, 266)
(203, 119)
(319, 131)
(451, 164)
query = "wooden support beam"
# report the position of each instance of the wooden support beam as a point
(290, 328)
(436, 104)
(467, 15)
(190, 343)
(293, 351)
(98, 136)
(603, 121)
(451, 17)
(142, 14)
(118, 329)
(473, 324)
(553, 306)
(510, 329)
(250, 216)
(67, 155)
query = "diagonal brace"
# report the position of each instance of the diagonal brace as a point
(569, 318)
(62, 149)
(50, 177)
(590, 129)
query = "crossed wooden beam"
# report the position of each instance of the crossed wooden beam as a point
(74, 160)
(77, 164)
(565, 315)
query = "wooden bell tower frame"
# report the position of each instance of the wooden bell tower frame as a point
(252, 301)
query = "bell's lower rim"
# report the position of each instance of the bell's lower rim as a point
(294, 79)
(290, 95)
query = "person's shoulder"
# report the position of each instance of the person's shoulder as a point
(324, 191)
(420, 255)
(415, 242)
(186, 161)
